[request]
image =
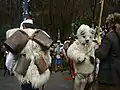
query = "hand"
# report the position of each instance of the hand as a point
(95, 41)
(96, 47)
(98, 42)
(92, 60)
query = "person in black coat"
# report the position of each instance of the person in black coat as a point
(109, 55)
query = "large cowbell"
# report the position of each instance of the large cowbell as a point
(16, 42)
(42, 38)
(19, 39)
(22, 65)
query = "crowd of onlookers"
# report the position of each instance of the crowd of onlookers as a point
(58, 53)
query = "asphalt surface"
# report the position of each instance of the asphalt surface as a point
(58, 81)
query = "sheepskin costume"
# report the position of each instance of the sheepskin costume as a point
(32, 52)
(80, 52)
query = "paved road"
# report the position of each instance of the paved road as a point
(57, 82)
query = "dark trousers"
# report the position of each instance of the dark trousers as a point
(28, 87)
(5, 68)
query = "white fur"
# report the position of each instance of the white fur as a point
(77, 50)
(88, 34)
(9, 61)
(33, 51)
(82, 48)
(10, 32)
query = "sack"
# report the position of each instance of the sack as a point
(16, 42)
(41, 65)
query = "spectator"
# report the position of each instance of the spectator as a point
(109, 55)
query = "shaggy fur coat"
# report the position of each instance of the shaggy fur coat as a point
(80, 50)
(77, 50)
(32, 52)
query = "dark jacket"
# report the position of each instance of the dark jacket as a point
(109, 55)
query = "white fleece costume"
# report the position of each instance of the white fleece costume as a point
(80, 52)
(32, 52)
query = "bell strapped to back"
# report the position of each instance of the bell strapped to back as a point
(18, 41)
(22, 65)
(42, 38)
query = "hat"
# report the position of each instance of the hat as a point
(58, 41)
(30, 21)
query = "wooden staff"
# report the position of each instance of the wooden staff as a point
(98, 40)
(98, 31)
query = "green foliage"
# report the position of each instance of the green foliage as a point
(85, 18)
(3, 29)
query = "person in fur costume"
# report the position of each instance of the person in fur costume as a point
(33, 79)
(82, 54)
